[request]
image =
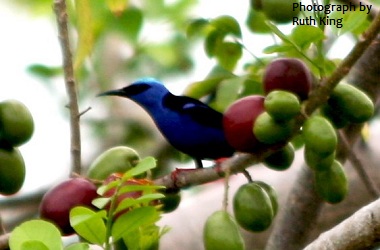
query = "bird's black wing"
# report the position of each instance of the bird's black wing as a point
(199, 111)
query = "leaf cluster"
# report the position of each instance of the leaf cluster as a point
(131, 221)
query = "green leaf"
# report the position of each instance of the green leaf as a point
(101, 202)
(128, 23)
(227, 92)
(143, 166)
(117, 6)
(34, 245)
(280, 48)
(278, 32)
(212, 41)
(44, 71)
(78, 246)
(133, 220)
(104, 188)
(252, 86)
(144, 200)
(89, 224)
(131, 188)
(197, 27)
(303, 36)
(227, 25)
(147, 198)
(256, 22)
(207, 86)
(351, 21)
(86, 31)
(147, 238)
(228, 54)
(33, 231)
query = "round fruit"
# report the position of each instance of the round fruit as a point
(316, 162)
(253, 208)
(221, 232)
(288, 74)
(16, 123)
(256, 21)
(256, 4)
(280, 11)
(281, 159)
(268, 131)
(272, 195)
(58, 201)
(319, 135)
(12, 171)
(282, 105)
(170, 202)
(238, 121)
(113, 160)
(332, 184)
(353, 104)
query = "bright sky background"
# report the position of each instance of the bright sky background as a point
(25, 40)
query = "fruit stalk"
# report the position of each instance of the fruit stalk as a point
(68, 69)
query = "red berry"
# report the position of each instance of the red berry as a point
(288, 74)
(58, 201)
(238, 121)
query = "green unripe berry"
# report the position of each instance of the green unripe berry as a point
(16, 123)
(282, 105)
(253, 208)
(280, 11)
(114, 160)
(269, 131)
(332, 184)
(281, 159)
(317, 162)
(271, 193)
(12, 171)
(221, 232)
(352, 103)
(319, 135)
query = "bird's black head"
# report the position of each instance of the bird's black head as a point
(127, 91)
(136, 88)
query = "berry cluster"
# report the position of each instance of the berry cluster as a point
(255, 124)
(16, 128)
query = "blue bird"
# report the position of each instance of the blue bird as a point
(188, 124)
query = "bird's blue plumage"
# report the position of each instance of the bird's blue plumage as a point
(188, 124)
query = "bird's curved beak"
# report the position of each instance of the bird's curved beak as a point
(117, 92)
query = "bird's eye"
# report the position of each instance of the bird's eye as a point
(135, 89)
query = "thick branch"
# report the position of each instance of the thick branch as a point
(360, 231)
(61, 15)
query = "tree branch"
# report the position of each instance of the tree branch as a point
(63, 34)
(323, 91)
(359, 231)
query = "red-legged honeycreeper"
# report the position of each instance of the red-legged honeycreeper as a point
(188, 124)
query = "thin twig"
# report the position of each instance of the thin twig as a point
(226, 189)
(63, 34)
(359, 167)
